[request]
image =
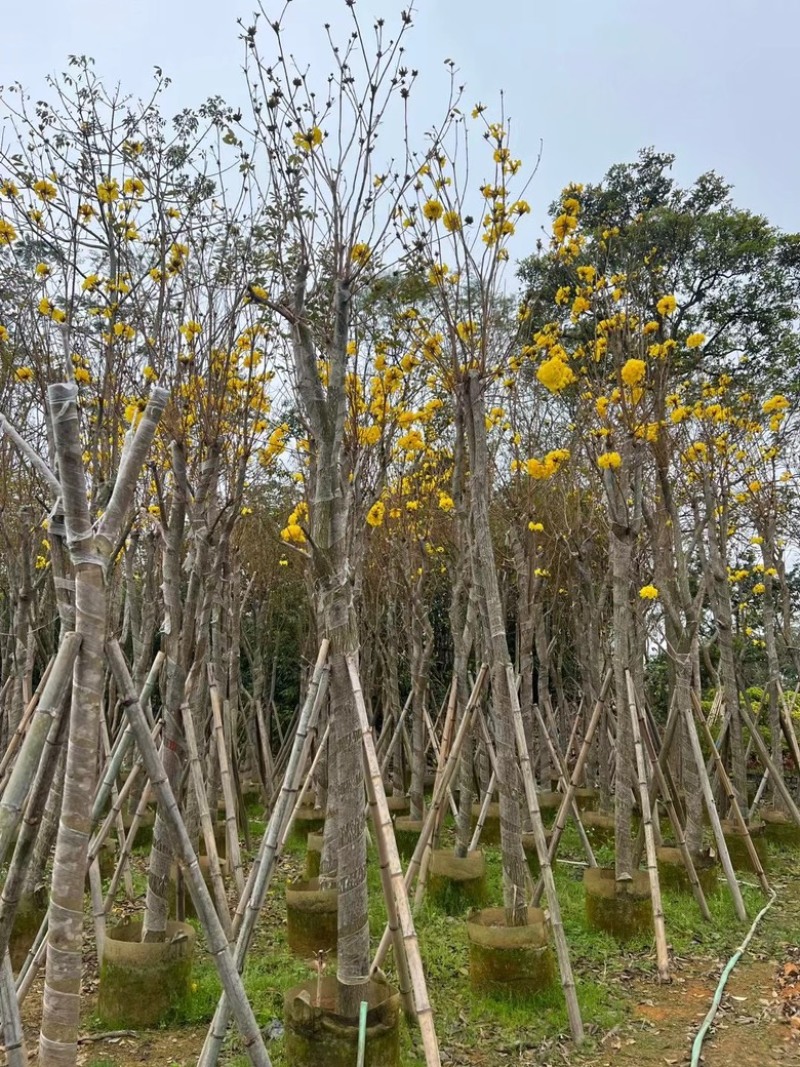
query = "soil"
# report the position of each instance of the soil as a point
(758, 1024)
(749, 1030)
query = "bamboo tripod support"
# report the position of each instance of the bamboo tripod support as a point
(231, 828)
(788, 727)
(563, 777)
(730, 793)
(408, 943)
(206, 825)
(542, 851)
(127, 846)
(437, 751)
(777, 778)
(487, 799)
(662, 952)
(436, 802)
(13, 1039)
(294, 785)
(713, 814)
(680, 837)
(116, 808)
(430, 843)
(23, 769)
(664, 749)
(397, 734)
(252, 899)
(218, 946)
(577, 774)
(28, 830)
(22, 729)
(447, 741)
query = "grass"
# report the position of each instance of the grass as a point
(465, 1020)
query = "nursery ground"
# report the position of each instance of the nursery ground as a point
(630, 1018)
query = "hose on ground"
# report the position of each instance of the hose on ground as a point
(697, 1044)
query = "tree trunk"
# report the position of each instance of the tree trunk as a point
(508, 780)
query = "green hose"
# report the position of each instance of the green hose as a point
(362, 1033)
(697, 1044)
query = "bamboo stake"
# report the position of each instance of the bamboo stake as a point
(577, 775)
(437, 751)
(401, 959)
(240, 804)
(24, 768)
(396, 734)
(98, 910)
(730, 793)
(556, 923)
(674, 819)
(124, 741)
(120, 801)
(777, 778)
(207, 826)
(104, 738)
(762, 785)
(788, 727)
(303, 785)
(663, 763)
(297, 791)
(436, 802)
(563, 779)
(21, 730)
(447, 730)
(266, 753)
(713, 815)
(13, 1038)
(33, 961)
(231, 828)
(12, 886)
(384, 831)
(127, 847)
(476, 836)
(255, 892)
(662, 952)
(217, 941)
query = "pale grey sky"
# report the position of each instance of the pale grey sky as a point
(714, 81)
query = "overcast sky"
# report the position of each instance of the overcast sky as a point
(713, 81)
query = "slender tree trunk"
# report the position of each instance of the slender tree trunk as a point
(508, 779)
